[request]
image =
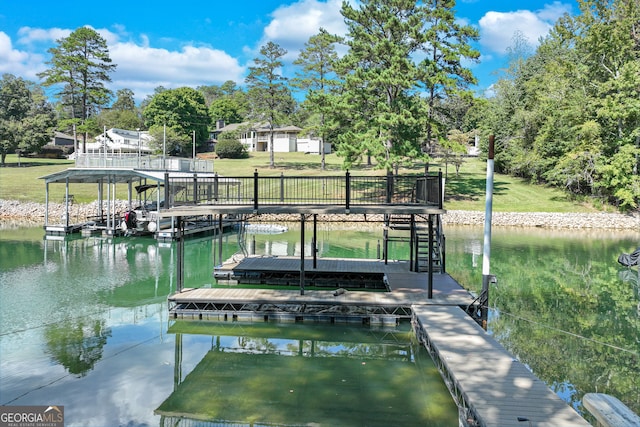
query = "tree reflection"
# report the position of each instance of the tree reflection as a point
(77, 344)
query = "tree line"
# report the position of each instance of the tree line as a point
(566, 114)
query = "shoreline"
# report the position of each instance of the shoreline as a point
(31, 213)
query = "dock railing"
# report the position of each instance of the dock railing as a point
(344, 190)
(144, 162)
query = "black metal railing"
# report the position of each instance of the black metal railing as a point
(344, 190)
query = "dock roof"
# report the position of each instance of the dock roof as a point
(89, 176)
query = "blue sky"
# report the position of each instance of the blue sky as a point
(194, 42)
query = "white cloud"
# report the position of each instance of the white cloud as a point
(498, 28)
(140, 67)
(292, 25)
(143, 68)
(19, 62)
(29, 35)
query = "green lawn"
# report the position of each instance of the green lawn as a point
(463, 192)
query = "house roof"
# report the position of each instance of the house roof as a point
(62, 135)
(257, 127)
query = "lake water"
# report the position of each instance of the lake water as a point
(83, 323)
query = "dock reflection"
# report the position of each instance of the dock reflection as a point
(291, 374)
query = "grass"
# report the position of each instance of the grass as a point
(20, 181)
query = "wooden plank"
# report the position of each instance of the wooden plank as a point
(498, 388)
(609, 410)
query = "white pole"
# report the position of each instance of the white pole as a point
(138, 129)
(75, 143)
(486, 251)
(164, 145)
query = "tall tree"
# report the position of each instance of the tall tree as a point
(569, 115)
(445, 43)
(384, 79)
(80, 64)
(318, 77)
(268, 93)
(26, 118)
(184, 111)
(123, 113)
(124, 100)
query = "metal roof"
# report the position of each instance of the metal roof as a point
(89, 176)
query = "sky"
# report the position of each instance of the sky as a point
(200, 43)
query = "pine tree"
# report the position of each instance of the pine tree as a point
(267, 91)
(317, 76)
(384, 82)
(81, 64)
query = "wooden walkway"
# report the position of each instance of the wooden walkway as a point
(496, 389)
(490, 387)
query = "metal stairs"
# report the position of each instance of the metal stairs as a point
(417, 228)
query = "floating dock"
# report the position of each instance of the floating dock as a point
(490, 387)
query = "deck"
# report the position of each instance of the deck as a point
(496, 389)
(399, 289)
(490, 387)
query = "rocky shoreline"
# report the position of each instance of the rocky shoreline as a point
(34, 213)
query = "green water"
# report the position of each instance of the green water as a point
(83, 324)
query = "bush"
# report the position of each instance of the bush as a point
(231, 149)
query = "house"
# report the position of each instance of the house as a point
(313, 146)
(62, 139)
(121, 141)
(256, 137)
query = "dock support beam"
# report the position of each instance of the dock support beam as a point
(180, 247)
(430, 260)
(302, 254)
(315, 241)
(66, 203)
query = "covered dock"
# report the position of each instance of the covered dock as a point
(139, 173)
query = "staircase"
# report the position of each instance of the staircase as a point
(419, 229)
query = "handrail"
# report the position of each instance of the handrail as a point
(143, 162)
(347, 190)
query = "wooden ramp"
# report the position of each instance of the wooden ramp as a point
(495, 389)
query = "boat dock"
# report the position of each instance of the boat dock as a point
(490, 387)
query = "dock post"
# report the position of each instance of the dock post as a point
(347, 190)
(220, 233)
(315, 241)
(302, 254)
(255, 190)
(168, 203)
(46, 204)
(195, 188)
(216, 186)
(430, 260)
(281, 187)
(66, 203)
(180, 247)
(486, 251)
(413, 245)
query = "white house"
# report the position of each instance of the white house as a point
(121, 141)
(313, 146)
(256, 137)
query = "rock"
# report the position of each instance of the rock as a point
(31, 212)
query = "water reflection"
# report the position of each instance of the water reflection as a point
(287, 374)
(563, 306)
(83, 320)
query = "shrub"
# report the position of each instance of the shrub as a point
(231, 149)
